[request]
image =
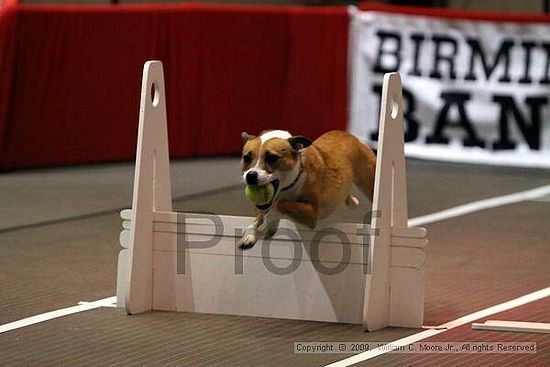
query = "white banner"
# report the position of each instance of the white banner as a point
(474, 91)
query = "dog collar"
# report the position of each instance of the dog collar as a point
(297, 177)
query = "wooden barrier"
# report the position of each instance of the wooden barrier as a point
(191, 262)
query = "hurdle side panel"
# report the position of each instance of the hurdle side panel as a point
(152, 191)
(407, 300)
(122, 276)
(377, 295)
(394, 290)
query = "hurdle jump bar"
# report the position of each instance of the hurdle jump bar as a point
(380, 283)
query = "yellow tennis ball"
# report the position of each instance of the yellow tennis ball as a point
(259, 195)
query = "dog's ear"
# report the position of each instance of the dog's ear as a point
(246, 137)
(299, 142)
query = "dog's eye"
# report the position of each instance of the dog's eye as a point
(247, 158)
(271, 158)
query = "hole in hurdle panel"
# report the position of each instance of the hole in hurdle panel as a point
(394, 108)
(155, 95)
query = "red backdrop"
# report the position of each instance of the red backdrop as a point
(70, 77)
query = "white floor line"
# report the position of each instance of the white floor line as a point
(83, 306)
(475, 206)
(516, 302)
(105, 302)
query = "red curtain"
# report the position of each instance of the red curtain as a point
(70, 77)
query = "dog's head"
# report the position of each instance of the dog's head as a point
(272, 157)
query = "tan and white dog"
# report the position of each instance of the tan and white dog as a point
(310, 179)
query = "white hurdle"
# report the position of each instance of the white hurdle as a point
(180, 261)
(394, 291)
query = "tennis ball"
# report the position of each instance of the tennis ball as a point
(259, 195)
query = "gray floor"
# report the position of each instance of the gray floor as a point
(59, 242)
(35, 196)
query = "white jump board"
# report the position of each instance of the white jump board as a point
(283, 278)
(515, 326)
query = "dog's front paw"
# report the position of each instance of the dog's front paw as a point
(247, 241)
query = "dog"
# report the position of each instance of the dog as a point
(310, 179)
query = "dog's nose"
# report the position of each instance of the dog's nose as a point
(252, 178)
